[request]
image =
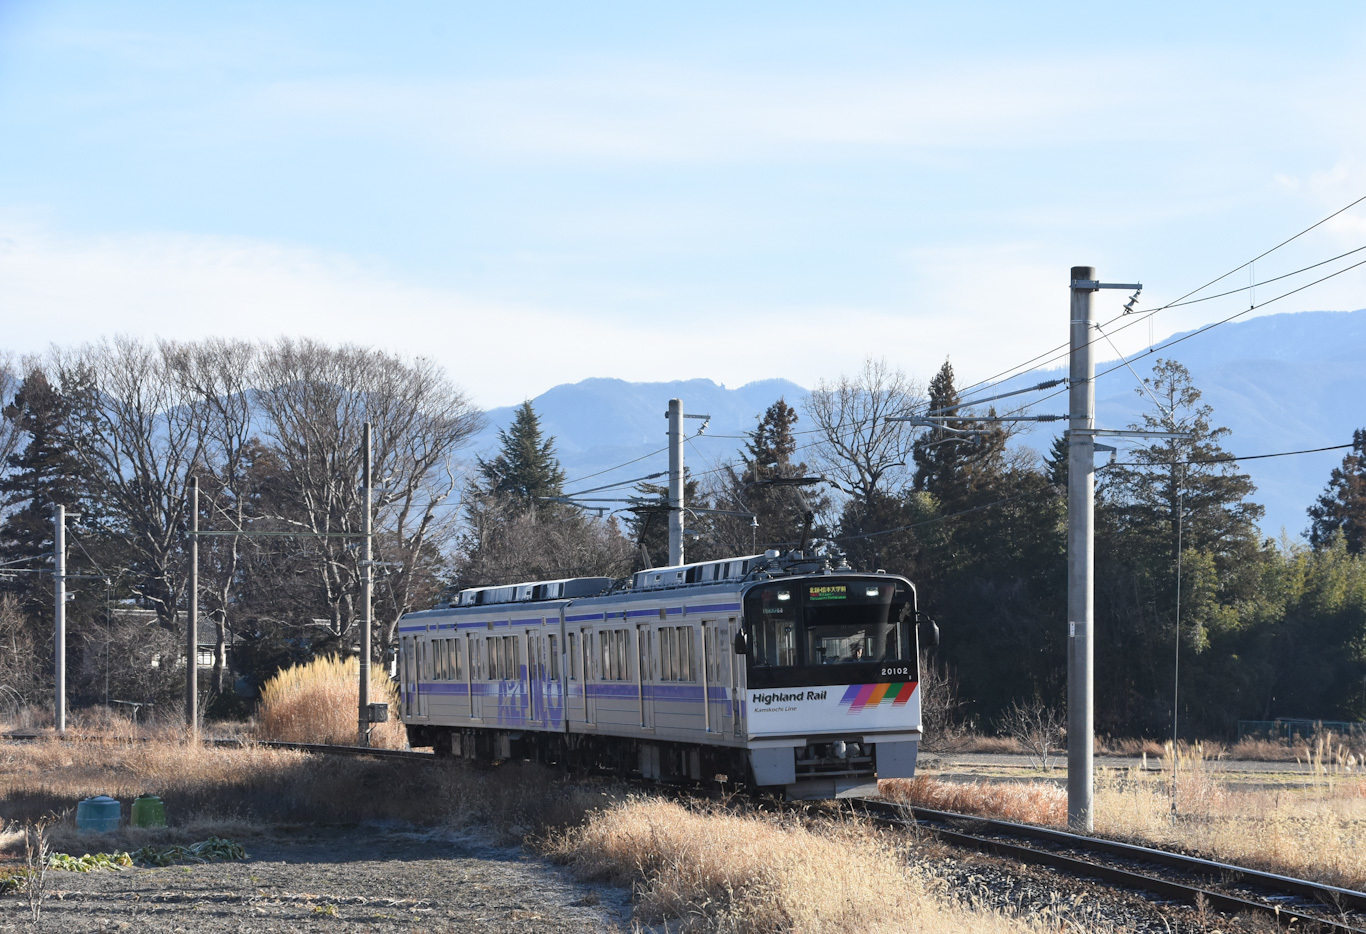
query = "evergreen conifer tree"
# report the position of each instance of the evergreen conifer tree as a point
(46, 471)
(953, 466)
(526, 469)
(1342, 506)
(778, 508)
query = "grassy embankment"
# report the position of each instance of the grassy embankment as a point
(711, 868)
(1310, 824)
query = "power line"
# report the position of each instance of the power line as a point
(1229, 458)
(1254, 259)
(1049, 356)
(1208, 298)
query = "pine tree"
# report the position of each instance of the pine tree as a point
(1190, 488)
(1187, 491)
(526, 469)
(937, 459)
(779, 508)
(1056, 463)
(45, 472)
(951, 464)
(1342, 506)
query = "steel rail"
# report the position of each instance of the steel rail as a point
(1326, 898)
(329, 750)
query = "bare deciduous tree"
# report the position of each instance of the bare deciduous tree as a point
(220, 373)
(315, 400)
(507, 542)
(145, 433)
(861, 450)
(1038, 727)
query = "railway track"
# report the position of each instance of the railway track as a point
(1308, 906)
(320, 748)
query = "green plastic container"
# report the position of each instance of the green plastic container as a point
(148, 811)
(99, 814)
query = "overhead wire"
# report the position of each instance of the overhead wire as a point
(1228, 458)
(1052, 355)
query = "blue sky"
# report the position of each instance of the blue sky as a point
(538, 193)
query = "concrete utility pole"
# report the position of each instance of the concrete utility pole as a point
(1081, 476)
(675, 482)
(367, 593)
(192, 624)
(59, 614)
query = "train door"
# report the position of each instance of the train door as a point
(535, 676)
(715, 672)
(644, 653)
(424, 670)
(473, 673)
(736, 664)
(586, 659)
(406, 679)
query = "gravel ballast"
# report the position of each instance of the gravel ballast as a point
(368, 878)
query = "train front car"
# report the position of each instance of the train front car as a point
(832, 682)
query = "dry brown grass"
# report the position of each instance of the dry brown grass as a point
(1027, 802)
(1314, 828)
(316, 703)
(238, 791)
(742, 873)
(1128, 746)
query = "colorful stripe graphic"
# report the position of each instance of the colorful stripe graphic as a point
(858, 696)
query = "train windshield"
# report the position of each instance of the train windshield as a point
(809, 622)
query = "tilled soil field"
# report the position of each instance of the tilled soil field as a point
(360, 879)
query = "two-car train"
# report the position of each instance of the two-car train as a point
(779, 672)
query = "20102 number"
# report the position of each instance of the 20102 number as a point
(896, 671)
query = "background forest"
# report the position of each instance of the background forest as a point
(114, 430)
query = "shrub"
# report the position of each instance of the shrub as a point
(316, 703)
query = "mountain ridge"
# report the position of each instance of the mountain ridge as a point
(1283, 382)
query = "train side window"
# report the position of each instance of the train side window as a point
(573, 652)
(666, 649)
(498, 662)
(552, 649)
(686, 669)
(623, 656)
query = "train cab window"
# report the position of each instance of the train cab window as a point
(775, 643)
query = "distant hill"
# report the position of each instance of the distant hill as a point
(1281, 382)
(600, 423)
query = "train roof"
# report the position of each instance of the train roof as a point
(703, 573)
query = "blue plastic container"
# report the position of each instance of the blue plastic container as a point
(99, 814)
